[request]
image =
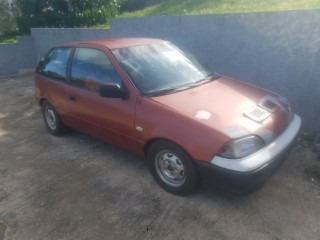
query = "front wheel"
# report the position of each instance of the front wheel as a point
(172, 168)
(52, 119)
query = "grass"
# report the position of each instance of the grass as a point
(9, 37)
(195, 7)
(8, 40)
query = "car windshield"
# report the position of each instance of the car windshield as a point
(157, 69)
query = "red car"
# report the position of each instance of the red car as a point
(150, 98)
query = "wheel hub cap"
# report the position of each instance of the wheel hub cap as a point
(51, 118)
(170, 169)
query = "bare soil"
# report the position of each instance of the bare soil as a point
(76, 187)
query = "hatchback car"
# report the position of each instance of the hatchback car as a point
(152, 99)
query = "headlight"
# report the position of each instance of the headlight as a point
(241, 147)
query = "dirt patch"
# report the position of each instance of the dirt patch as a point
(3, 229)
(311, 141)
(75, 187)
(3, 194)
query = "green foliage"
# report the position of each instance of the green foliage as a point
(8, 40)
(192, 7)
(7, 15)
(64, 13)
(9, 36)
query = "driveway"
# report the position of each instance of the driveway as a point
(76, 187)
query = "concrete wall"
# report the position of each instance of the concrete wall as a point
(279, 51)
(17, 57)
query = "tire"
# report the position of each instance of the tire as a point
(52, 119)
(172, 168)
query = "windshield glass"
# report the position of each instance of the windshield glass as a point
(160, 67)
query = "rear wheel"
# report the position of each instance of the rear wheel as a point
(52, 119)
(172, 168)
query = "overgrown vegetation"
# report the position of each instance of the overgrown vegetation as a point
(7, 21)
(9, 37)
(60, 13)
(192, 7)
(8, 40)
(19, 16)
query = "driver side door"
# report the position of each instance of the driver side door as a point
(108, 119)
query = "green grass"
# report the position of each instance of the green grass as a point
(9, 37)
(194, 7)
(8, 40)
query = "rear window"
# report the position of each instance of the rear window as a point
(54, 65)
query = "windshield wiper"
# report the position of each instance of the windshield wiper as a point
(170, 90)
(209, 78)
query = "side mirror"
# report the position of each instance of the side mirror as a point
(113, 90)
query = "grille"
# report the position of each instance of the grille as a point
(269, 105)
(257, 114)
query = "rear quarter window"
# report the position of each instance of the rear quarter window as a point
(54, 65)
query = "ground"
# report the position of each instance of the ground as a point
(76, 187)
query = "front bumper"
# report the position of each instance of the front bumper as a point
(246, 174)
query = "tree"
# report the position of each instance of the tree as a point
(7, 15)
(64, 13)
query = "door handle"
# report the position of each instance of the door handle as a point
(73, 98)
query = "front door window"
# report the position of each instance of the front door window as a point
(91, 68)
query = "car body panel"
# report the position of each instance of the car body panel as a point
(113, 43)
(161, 121)
(224, 120)
(53, 91)
(106, 118)
(221, 105)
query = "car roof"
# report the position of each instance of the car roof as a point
(113, 43)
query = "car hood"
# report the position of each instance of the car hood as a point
(232, 107)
